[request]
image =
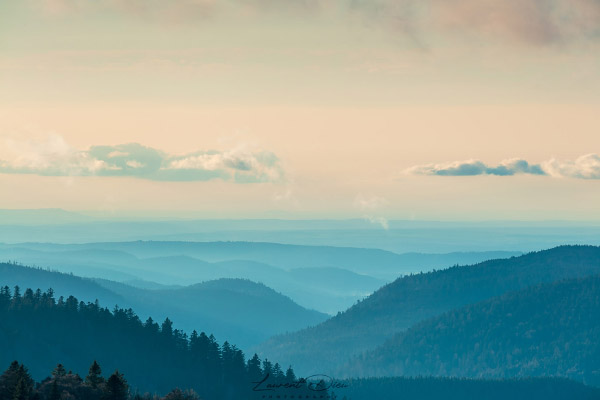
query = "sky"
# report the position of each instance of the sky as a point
(380, 109)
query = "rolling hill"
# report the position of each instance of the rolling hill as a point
(544, 330)
(243, 311)
(412, 299)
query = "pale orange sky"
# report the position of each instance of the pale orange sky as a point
(345, 102)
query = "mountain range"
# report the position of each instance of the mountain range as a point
(327, 279)
(412, 299)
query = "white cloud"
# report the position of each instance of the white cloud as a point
(50, 155)
(584, 167)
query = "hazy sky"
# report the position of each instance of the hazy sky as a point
(431, 109)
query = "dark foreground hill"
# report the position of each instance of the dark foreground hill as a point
(546, 330)
(429, 388)
(40, 332)
(412, 299)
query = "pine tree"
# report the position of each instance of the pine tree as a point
(54, 392)
(290, 376)
(94, 377)
(24, 387)
(254, 371)
(267, 367)
(116, 387)
(59, 372)
(277, 372)
(167, 328)
(22, 390)
(9, 380)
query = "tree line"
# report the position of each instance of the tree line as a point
(38, 329)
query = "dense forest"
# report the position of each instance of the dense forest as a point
(414, 298)
(545, 330)
(430, 388)
(39, 330)
(17, 384)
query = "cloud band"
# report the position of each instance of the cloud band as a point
(584, 167)
(55, 157)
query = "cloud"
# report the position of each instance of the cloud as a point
(585, 167)
(154, 10)
(52, 156)
(532, 22)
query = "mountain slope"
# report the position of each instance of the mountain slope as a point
(63, 284)
(243, 311)
(411, 299)
(40, 331)
(545, 330)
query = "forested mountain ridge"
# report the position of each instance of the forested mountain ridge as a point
(39, 331)
(240, 309)
(12, 274)
(411, 299)
(544, 330)
(243, 311)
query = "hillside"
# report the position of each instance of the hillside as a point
(243, 311)
(545, 330)
(41, 332)
(411, 299)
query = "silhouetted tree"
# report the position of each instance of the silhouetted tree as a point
(59, 371)
(94, 377)
(116, 387)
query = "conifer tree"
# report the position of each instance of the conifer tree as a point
(94, 377)
(116, 387)
(254, 371)
(59, 372)
(8, 381)
(267, 367)
(290, 376)
(24, 387)
(54, 392)
(167, 328)
(277, 372)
